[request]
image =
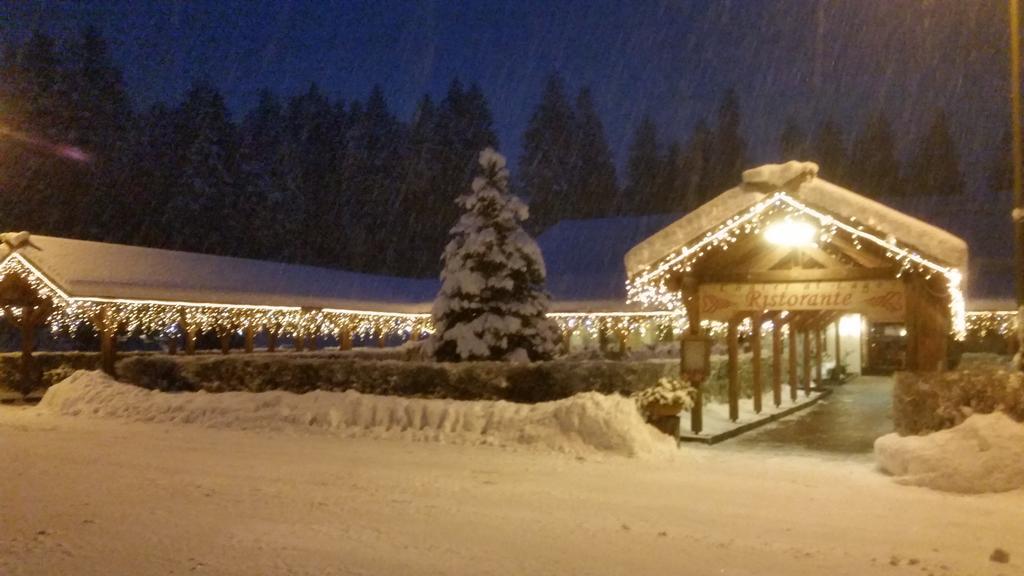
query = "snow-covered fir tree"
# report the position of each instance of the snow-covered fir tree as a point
(492, 304)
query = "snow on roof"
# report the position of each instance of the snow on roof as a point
(584, 258)
(85, 269)
(798, 180)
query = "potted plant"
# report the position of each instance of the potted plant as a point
(667, 398)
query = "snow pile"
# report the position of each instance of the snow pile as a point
(583, 424)
(781, 175)
(983, 454)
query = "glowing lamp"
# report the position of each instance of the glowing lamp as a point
(790, 233)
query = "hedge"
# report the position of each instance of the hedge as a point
(924, 403)
(536, 382)
(49, 367)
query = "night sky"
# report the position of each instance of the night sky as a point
(800, 58)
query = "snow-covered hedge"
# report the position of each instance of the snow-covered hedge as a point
(50, 367)
(928, 402)
(533, 382)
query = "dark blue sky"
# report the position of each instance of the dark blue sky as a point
(801, 58)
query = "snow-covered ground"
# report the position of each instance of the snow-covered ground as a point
(107, 495)
(716, 414)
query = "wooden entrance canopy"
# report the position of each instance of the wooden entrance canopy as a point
(837, 252)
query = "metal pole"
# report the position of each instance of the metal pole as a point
(1018, 193)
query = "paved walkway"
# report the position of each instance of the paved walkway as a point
(847, 422)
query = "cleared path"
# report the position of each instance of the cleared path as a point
(847, 422)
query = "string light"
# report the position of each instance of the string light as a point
(651, 287)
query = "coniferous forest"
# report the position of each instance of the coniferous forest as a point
(305, 178)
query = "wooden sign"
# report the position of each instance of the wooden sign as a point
(879, 300)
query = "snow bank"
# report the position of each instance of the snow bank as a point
(585, 423)
(983, 454)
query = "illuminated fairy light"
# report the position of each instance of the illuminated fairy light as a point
(649, 288)
(787, 232)
(983, 323)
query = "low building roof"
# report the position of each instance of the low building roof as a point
(84, 269)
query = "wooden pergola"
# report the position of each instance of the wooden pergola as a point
(793, 251)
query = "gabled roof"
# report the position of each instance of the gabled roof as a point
(800, 183)
(84, 269)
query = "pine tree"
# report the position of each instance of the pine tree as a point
(267, 218)
(1000, 171)
(206, 195)
(546, 164)
(694, 168)
(828, 150)
(593, 185)
(642, 169)
(413, 208)
(492, 304)
(375, 146)
(463, 126)
(874, 168)
(793, 141)
(670, 187)
(935, 166)
(728, 148)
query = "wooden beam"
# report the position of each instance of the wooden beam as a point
(821, 257)
(755, 351)
(689, 286)
(345, 339)
(818, 357)
(776, 360)
(807, 361)
(862, 257)
(272, 340)
(793, 380)
(107, 330)
(734, 370)
(802, 275)
(250, 337)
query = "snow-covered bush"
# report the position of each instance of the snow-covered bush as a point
(492, 303)
(669, 396)
(984, 453)
(935, 401)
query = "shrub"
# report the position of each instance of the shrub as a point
(927, 402)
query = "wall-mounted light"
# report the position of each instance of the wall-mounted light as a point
(788, 232)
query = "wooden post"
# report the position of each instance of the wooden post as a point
(299, 342)
(839, 348)
(755, 351)
(172, 345)
(807, 361)
(188, 332)
(108, 341)
(28, 344)
(793, 379)
(566, 341)
(777, 360)
(818, 353)
(312, 342)
(345, 339)
(225, 340)
(272, 340)
(602, 337)
(689, 287)
(734, 370)
(250, 337)
(382, 338)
